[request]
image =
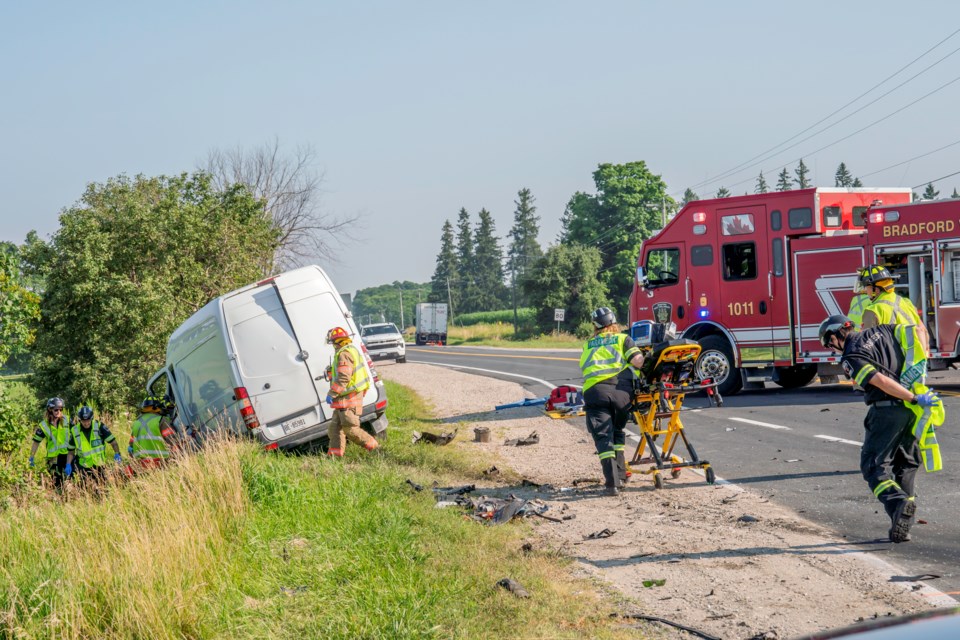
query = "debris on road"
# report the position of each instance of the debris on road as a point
(533, 438)
(597, 535)
(414, 485)
(455, 491)
(432, 438)
(492, 471)
(513, 587)
(746, 518)
(671, 623)
(526, 402)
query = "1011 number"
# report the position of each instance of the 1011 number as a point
(740, 308)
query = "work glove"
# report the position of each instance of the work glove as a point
(927, 399)
(68, 470)
(116, 458)
(130, 450)
(329, 399)
(31, 462)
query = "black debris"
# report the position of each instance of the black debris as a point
(597, 535)
(432, 438)
(414, 485)
(455, 491)
(533, 438)
(746, 518)
(513, 587)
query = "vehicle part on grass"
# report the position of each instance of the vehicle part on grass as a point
(499, 510)
(550, 518)
(481, 434)
(455, 491)
(533, 438)
(492, 471)
(513, 587)
(414, 485)
(526, 402)
(671, 623)
(598, 535)
(432, 438)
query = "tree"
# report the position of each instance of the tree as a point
(761, 184)
(856, 183)
(566, 278)
(491, 292)
(290, 188)
(802, 171)
(383, 301)
(930, 193)
(783, 181)
(955, 194)
(842, 177)
(130, 261)
(689, 196)
(626, 209)
(19, 306)
(524, 248)
(466, 265)
(446, 270)
(723, 192)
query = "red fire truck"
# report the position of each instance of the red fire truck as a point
(752, 277)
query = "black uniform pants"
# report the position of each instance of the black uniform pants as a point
(890, 453)
(57, 468)
(608, 409)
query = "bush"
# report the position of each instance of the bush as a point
(505, 316)
(13, 422)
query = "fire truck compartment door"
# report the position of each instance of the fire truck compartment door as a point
(823, 282)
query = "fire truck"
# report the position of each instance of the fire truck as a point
(752, 277)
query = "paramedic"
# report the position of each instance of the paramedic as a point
(607, 393)
(55, 430)
(349, 380)
(90, 439)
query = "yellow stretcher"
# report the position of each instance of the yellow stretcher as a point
(658, 401)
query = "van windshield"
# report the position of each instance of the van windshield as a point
(379, 329)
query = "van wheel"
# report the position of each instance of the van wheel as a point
(797, 376)
(401, 359)
(716, 362)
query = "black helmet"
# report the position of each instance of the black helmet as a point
(152, 404)
(54, 403)
(872, 275)
(832, 326)
(85, 413)
(603, 317)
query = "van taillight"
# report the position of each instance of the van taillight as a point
(246, 408)
(381, 405)
(272, 446)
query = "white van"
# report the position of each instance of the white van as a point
(253, 360)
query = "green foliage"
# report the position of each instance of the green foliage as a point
(566, 278)
(930, 193)
(441, 289)
(955, 194)
(856, 183)
(802, 171)
(762, 186)
(131, 260)
(689, 196)
(14, 426)
(490, 292)
(524, 249)
(842, 177)
(382, 303)
(19, 308)
(784, 183)
(723, 192)
(526, 315)
(626, 210)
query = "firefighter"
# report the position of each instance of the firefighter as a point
(151, 435)
(859, 304)
(898, 430)
(349, 380)
(607, 393)
(90, 438)
(886, 307)
(55, 430)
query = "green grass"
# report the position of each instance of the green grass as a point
(239, 543)
(499, 334)
(525, 316)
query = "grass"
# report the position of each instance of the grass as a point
(499, 334)
(238, 543)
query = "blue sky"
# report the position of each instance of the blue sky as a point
(416, 109)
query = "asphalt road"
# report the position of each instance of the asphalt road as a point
(800, 448)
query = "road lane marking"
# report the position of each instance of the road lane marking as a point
(840, 440)
(497, 355)
(760, 424)
(503, 373)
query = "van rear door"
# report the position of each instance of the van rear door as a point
(274, 366)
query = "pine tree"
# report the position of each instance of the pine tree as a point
(783, 181)
(761, 184)
(491, 293)
(930, 193)
(955, 194)
(856, 183)
(723, 192)
(466, 264)
(441, 287)
(802, 172)
(524, 249)
(689, 196)
(842, 177)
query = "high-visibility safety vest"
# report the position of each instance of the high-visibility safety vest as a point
(858, 305)
(360, 380)
(89, 450)
(147, 441)
(893, 309)
(603, 357)
(57, 438)
(926, 418)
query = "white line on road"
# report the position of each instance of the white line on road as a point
(503, 373)
(760, 424)
(840, 440)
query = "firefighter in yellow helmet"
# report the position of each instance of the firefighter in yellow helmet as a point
(152, 437)
(886, 307)
(607, 393)
(349, 379)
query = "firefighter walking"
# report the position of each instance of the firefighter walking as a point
(152, 435)
(886, 307)
(55, 431)
(349, 380)
(90, 439)
(608, 393)
(889, 363)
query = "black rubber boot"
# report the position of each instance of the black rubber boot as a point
(901, 521)
(622, 468)
(611, 479)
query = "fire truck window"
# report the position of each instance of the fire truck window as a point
(777, 250)
(737, 225)
(859, 216)
(663, 267)
(831, 216)
(701, 255)
(800, 218)
(740, 261)
(776, 220)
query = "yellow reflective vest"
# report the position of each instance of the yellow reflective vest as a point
(889, 308)
(858, 305)
(603, 357)
(926, 418)
(147, 441)
(89, 451)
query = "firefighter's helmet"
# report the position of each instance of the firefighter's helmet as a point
(54, 404)
(603, 317)
(152, 404)
(337, 334)
(875, 275)
(85, 413)
(832, 327)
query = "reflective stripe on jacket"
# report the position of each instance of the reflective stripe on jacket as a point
(858, 305)
(349, 362)
(57, 438)
(603, 357)
(147, 439)
(893, 309)
(926, 419)
(89, 451)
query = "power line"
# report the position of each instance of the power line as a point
(922, 155)
(949, 175)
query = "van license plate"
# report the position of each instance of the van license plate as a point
(293, 425)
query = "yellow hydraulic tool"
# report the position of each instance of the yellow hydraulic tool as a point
(668, 375)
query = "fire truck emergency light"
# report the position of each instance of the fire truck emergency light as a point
(700, 216)
(704, 313)
(884, 216)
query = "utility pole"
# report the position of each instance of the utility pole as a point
(663, 209)
(449, 300)
(401, 309)
(513, 287)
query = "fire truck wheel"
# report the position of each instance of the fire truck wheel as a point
(794, 377)
(716, 362)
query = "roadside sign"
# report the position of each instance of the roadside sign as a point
(558, 314)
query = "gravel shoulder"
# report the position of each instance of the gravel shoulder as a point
(776, 575)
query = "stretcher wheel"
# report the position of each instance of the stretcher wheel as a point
(711, 476)
(675, 473)
(657, 481)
